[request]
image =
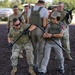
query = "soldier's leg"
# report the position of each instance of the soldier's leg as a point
(40, 46)
(66, 42)
(45, 59)
(30, 57)
(60, 57)
(21, 54)
(34, 43)
(14, 59)
(40, 51)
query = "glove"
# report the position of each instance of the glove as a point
(26, 31)
(10, 45)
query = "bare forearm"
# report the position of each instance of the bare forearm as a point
(58, 35)
(32, 28)
(45, 22)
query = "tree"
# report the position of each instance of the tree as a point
(69, 4)
(15, 2)
(4, 3)
(30, 1)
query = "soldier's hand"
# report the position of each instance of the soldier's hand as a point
(10, 45)
(47, 35)
(26, 31)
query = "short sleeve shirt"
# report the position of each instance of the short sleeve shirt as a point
(43, 12)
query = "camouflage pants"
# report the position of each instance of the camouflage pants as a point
(65, 40)
(16, 50)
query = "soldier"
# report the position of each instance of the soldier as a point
(54, 30)
(52, 9)
(38, 15)
(16, 14)
(23, 43)
(26, 8)
(65, 38)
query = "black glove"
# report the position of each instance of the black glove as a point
(10, 45)
(26, 31)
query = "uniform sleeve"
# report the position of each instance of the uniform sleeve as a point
(25, 26)
(10, 33)
(8, 23)
(45, 13)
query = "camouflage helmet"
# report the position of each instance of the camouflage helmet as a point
(55, 14)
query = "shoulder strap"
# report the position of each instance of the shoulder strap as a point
(40, 9)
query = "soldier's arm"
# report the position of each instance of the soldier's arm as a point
(58, 35)
(45, 22)
(9, 40)
(32, 27)
(8, 23)
(23, 20)
(45, 18)
(9, 36)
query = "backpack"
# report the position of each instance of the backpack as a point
(35, 17)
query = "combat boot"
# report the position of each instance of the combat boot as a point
(20, 56)
(31, 70)
(68, 57)
(14, 70)
(61, 71)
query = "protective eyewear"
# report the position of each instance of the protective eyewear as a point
(17, 25)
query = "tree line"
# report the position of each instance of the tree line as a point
(6, 3)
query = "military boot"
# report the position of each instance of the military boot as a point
(31, 70)
(14, 70)
(68, 57)
(20, 56)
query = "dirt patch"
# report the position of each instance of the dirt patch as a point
(5, 53)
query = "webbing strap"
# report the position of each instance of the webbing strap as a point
(38, 9)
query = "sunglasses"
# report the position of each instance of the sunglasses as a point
(17, 25)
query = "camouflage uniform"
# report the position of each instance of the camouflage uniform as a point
(22, 43)
(65, 38)
(9, 25)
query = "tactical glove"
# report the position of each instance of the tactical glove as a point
(10, 45)
(26, 31)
